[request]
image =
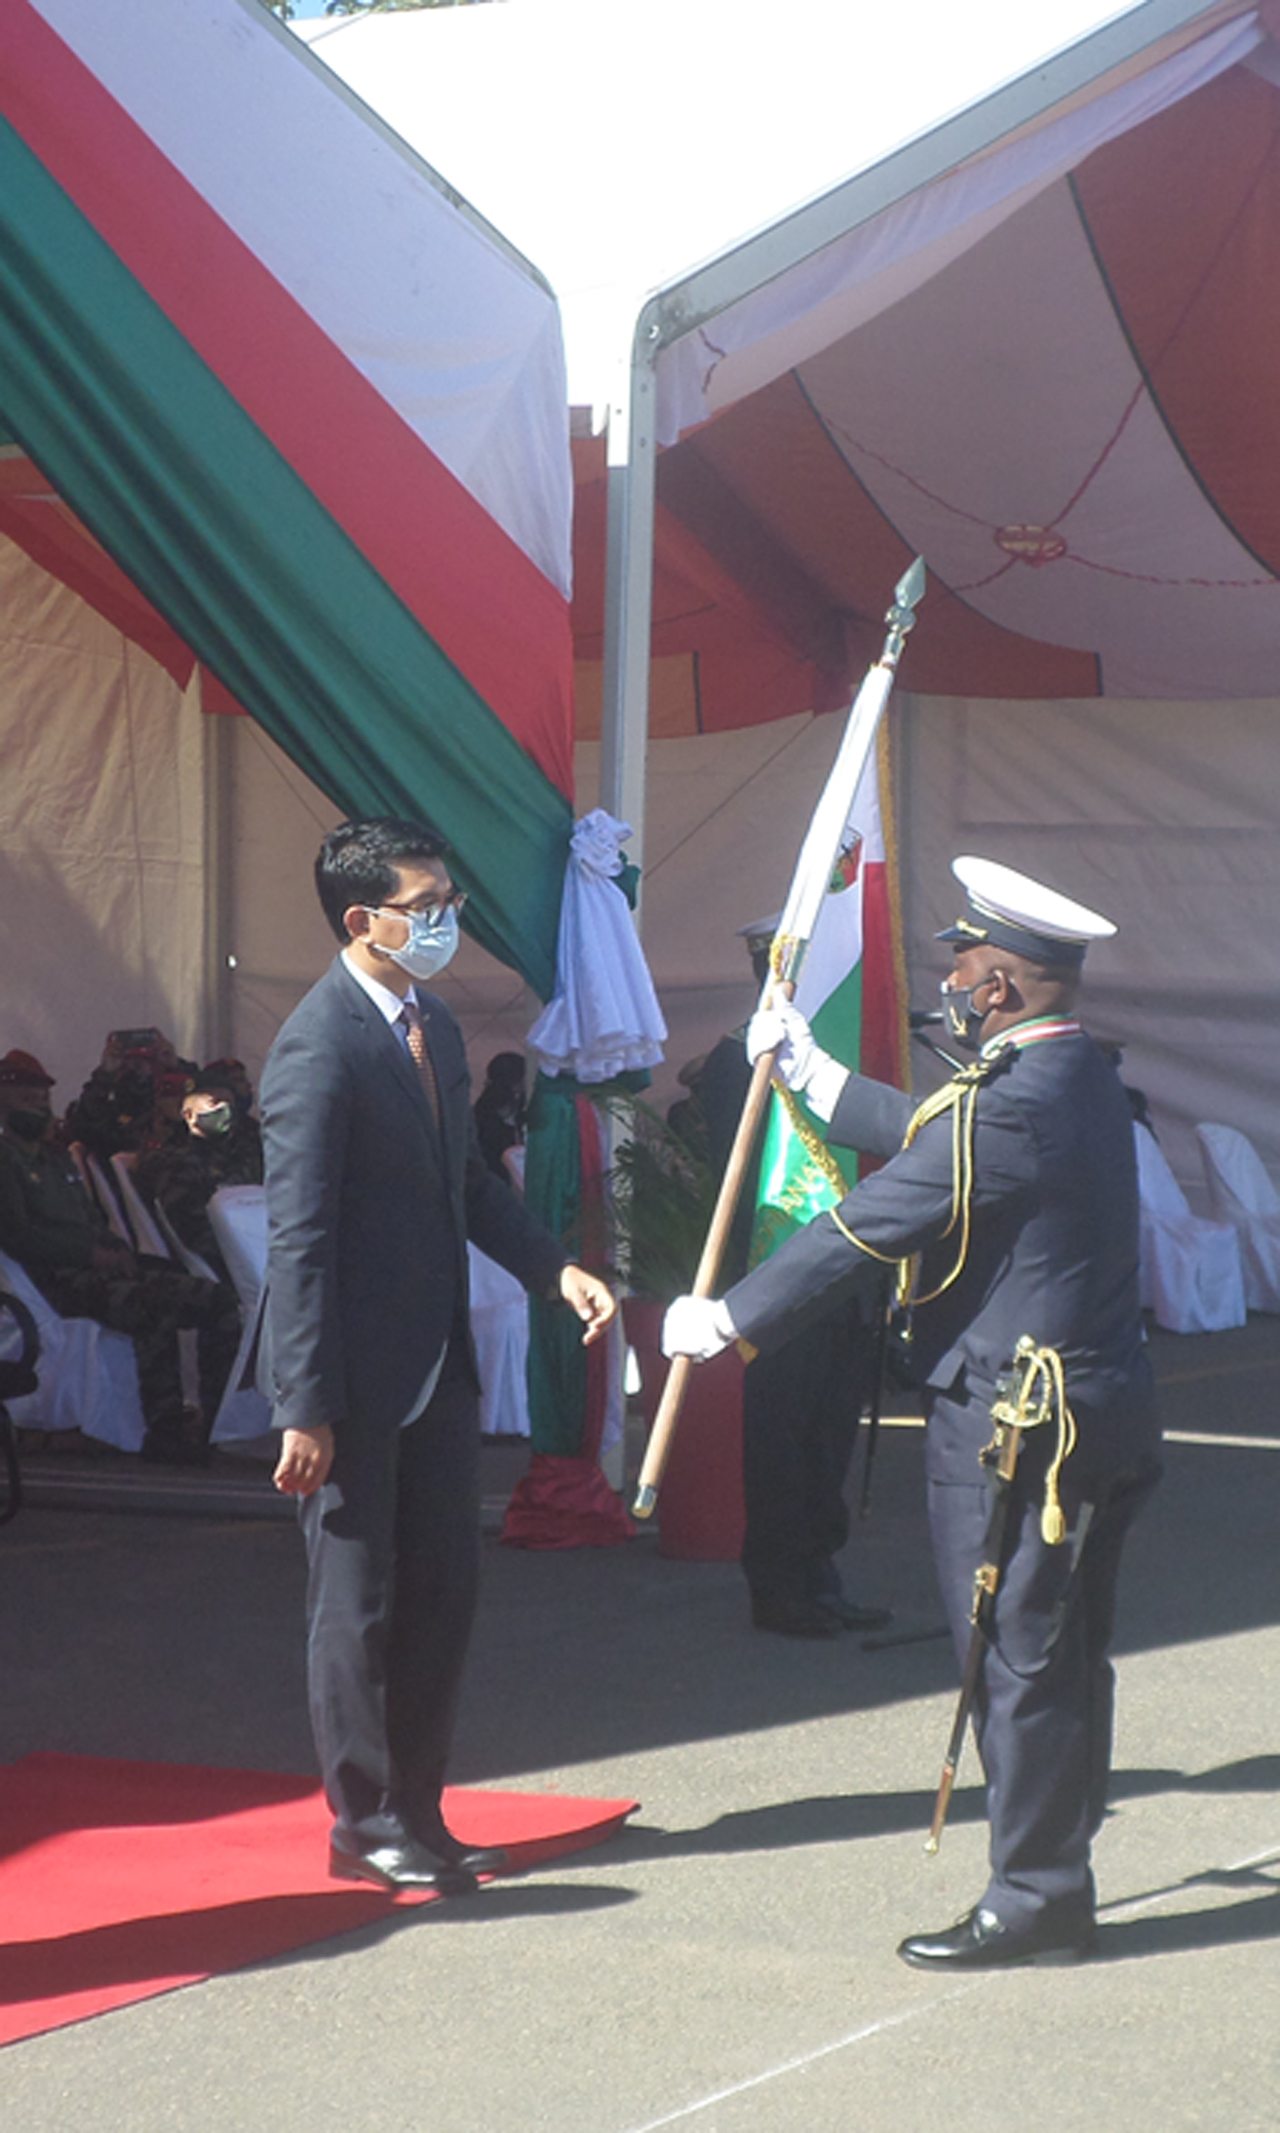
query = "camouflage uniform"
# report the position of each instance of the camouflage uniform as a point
(183, 1176)
(50, 1226)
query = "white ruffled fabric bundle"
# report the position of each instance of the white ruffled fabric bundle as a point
(604, 1016)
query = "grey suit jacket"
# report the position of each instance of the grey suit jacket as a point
(369, 1209)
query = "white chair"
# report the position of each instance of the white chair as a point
(94, 1179)
(154, 1235)
(1241, 1193)
(238, 1214)
(500, 1330)
(183, 1253)
(145, 1234)
(1189, 1270)
(88, 1375)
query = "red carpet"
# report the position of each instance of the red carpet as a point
(122, 1880)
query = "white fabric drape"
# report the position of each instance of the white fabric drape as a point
(604, 1017)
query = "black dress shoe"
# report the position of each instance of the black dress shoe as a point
(794, 1618)
(981, 1942)
(472, 1858)
(409, 1866)
(851, 1614)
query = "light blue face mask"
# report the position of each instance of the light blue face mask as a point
(432, 942)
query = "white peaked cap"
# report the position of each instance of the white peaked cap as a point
(1011, 911)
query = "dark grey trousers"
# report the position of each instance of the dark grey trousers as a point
(1043, 1713)
(393, 1548)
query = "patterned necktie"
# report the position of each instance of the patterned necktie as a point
(418, 1052)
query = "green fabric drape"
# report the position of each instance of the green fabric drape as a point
(557, 1370)
(553, 1190)
(228, 543)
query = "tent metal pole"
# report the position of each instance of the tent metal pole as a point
(628, 613)
(217, 1018)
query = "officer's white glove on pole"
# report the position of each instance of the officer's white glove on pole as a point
(697, 1326)
(801, 1064)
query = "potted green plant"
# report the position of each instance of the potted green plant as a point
(662, 1195)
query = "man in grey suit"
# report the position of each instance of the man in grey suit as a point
(374, 1184)
(1017, 1187)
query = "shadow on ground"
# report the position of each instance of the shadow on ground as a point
(181, 1639)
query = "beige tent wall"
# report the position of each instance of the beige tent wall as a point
(157, 866)
(726, 814)
(102, 834)
(1164, 816)
(272, 928)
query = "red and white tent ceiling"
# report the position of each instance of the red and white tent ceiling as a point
(1051, 372)
(405, 361)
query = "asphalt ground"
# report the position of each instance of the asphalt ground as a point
(727, 1965)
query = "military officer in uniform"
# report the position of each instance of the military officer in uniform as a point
(1016, 1186)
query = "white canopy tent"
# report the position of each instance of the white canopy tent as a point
(1163, 813)
(940, 236)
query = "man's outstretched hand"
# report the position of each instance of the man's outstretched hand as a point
(590, 1298)
(306, 1456)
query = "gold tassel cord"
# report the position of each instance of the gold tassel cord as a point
(812, 1142)
(1039, 1395)
(960, 1097)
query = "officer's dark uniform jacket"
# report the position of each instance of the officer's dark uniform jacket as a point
(1052, 1253)
(47, 1220)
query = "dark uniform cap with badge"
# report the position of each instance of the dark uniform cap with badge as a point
(1009, 910)
(759, 934)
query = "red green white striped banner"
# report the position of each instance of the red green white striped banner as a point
(314, 412)
(852, 992)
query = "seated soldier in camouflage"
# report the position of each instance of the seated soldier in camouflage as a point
(52, 1228)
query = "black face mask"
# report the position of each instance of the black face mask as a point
(32, 1125)
(963, 1020)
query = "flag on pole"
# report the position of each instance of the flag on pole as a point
(852, 993)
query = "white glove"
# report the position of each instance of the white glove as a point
(781, 1028)
(698, 1326)
(801, 1064)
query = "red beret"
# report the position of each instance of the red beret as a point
(22, 1070)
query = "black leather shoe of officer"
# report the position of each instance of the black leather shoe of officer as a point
(794, 1618)
(981, 1942)
(402, 1868)
(472, 1858)
(852, 1614)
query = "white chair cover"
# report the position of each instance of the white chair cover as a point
(94, 1179)
(500, 1330)
(146, 1236)
(1190, 1274)
(88, 1376)
(183, 1253)
(238, 1214)
(152, 1235)
(1241, 1193)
